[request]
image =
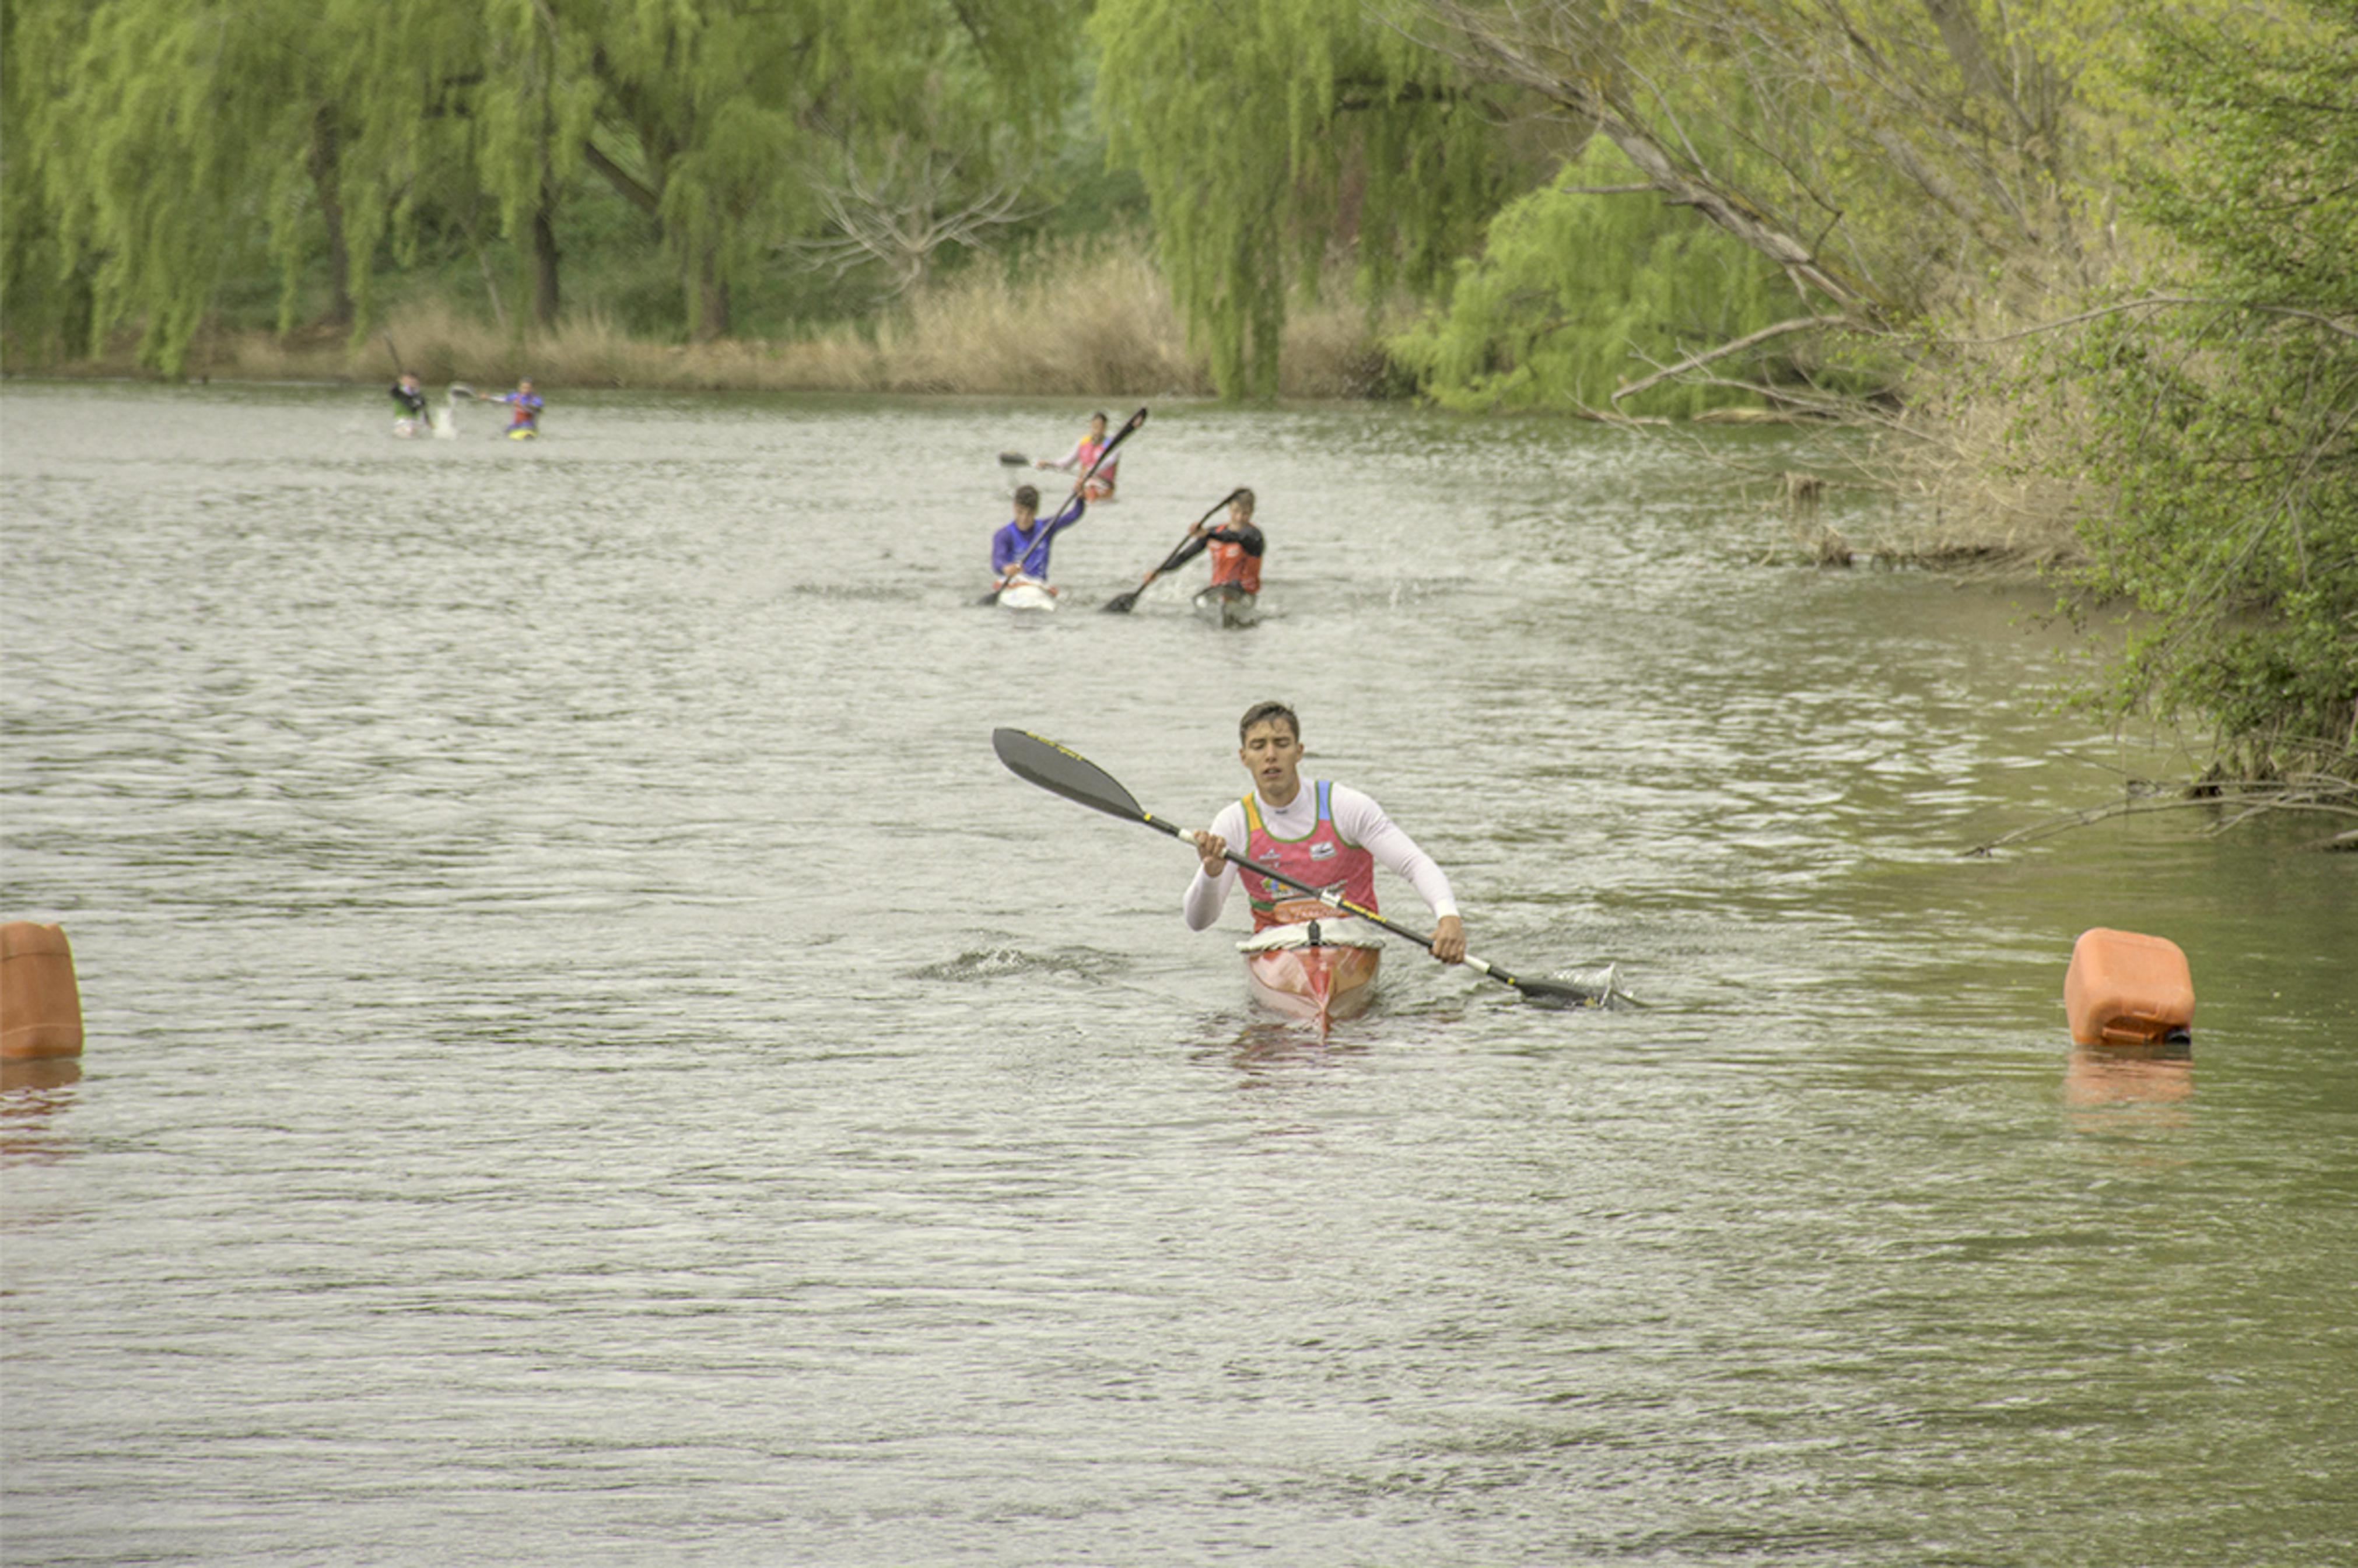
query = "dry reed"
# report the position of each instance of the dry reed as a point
(1085, 320)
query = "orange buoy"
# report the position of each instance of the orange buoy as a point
(40, 1005)
(2127, 990)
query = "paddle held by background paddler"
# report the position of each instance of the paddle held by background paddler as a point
(1090, 458)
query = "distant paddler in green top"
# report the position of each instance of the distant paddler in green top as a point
(410, 397)
(523, 409)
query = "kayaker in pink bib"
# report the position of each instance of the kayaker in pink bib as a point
(1321, 859)
(1331, 835)
(1084, 452)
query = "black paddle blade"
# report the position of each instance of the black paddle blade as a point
(1600, 987)
(1121, 603)
(1060, 771)
(1014, 460)
(1549, 994)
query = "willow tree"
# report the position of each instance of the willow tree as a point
(532, 103)
(1270, 136)
(1885, 155)
(1574, 295)
(715, 117)
(169, 143)
(160, 148)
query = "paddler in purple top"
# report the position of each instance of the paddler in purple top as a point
(1020, 549)
(524, 407)
(1329, 835)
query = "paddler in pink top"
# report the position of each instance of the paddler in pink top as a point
(1084, 452)
(1328, 835)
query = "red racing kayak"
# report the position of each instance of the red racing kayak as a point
(1316, 971)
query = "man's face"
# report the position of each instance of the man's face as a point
(1273, 754)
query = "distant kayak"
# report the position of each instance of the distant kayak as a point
(1026, 593)
(1224, 605)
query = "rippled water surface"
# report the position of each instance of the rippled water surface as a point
(591, 1058)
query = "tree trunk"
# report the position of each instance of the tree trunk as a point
(708, 310)
(544, 262)
(327, 178)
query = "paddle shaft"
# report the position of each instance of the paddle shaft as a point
(1335, 901)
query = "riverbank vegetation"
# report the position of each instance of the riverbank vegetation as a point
(2079, 271)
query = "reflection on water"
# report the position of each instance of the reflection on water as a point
(1268, 1045)
(2127, 1091)
(593, 1052)
(34, 1094)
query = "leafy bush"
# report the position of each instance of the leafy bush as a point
(1575, 294)
(2219, 422)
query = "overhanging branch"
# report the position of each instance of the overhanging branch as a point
(1695, 362)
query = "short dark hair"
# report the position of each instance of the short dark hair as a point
(1027, 496)
(1262, 713)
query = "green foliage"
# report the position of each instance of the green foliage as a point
(132, 193)
(157, 146)
(1267, 132)
(1575, 294)
(2222, 428)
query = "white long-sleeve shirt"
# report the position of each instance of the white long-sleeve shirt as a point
(1357, 818)
(1073, 463)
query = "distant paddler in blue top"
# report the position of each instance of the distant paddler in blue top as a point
(1019, 551)
(1084, 453)
(523, 409)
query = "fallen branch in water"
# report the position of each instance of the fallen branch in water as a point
(2240, 801)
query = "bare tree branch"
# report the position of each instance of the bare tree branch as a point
(1797, 324)
(907, 209)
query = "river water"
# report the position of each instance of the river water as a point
(591, 1059)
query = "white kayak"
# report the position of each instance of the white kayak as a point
(1224, 605)
(1026, 593)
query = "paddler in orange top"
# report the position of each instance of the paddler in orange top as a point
(1084, 452)
(1329, 835)
(1237, 546)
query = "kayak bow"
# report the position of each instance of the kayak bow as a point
(1224, 605)
(1316, 971)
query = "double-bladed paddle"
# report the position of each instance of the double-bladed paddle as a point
(1060, 769)
(1128, 428)
(1122, 603)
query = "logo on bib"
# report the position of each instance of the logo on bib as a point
(1322, 851)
